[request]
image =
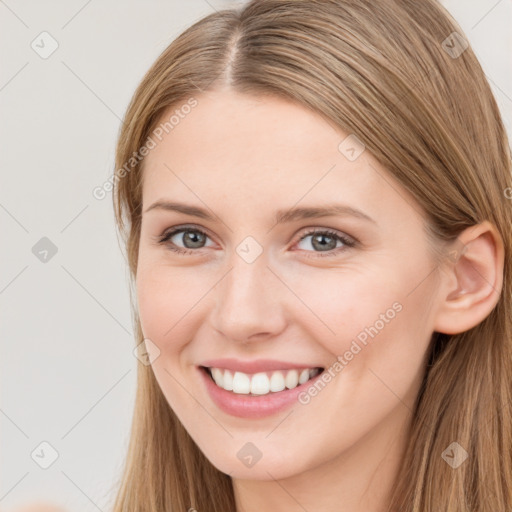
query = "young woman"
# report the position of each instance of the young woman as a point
(315, 200)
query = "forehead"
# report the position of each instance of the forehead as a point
(237, 127)
(247, 151)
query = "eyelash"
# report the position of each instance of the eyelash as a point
(349, 243)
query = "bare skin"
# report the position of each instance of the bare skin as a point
(243, 158)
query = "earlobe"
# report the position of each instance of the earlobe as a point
(473, 282)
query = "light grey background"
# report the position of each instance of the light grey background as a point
(67, 368)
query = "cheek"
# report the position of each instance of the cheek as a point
(373, 323)
(151, 298)
(340, 304)
(169, 301)
(166, 297)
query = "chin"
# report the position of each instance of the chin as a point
(270, 466)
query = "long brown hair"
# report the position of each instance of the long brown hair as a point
(395, 74)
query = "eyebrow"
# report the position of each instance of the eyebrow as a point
(281, 216)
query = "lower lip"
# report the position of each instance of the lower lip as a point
(247, 406)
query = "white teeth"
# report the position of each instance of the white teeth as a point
(261, 383)
(218, 376)
(227, 383)
(277, 382)
(241, 383)
(292, 379)
(304, 376)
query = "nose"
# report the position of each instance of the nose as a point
(249, 302)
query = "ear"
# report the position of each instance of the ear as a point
(473, 279)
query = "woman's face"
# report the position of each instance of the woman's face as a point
(358, 298)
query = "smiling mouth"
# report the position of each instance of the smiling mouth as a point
(262, 383)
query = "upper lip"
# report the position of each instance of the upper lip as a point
(255, 366)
